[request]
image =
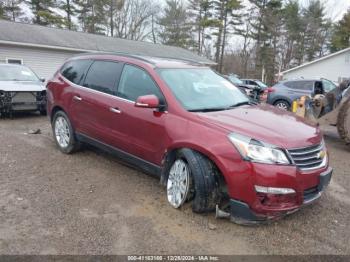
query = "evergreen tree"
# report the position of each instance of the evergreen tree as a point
(91, 16)
(70, 10)
(201, 13)
(43, 14)
(12, 9)
(341, 36)
(267, 26)
(2, 11)
(316, 28)
(175, 25)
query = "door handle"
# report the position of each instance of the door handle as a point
(77, 98)
(115, 110)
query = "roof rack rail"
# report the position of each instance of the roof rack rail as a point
(139, 57)
(144, 57)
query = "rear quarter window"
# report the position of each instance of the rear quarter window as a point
(75, 70)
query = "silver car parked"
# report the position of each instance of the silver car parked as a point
(20, 90)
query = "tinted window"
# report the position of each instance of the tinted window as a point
(301, 85)
(103, 76)
(135, 82)
(75, 70)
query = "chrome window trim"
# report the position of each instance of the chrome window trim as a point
(95, 91)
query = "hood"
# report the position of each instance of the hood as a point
(267, 124)
(21, 86)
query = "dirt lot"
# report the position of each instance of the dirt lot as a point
(89, 203)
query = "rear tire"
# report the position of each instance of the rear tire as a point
(343, 122)
(282, 104)
(64, 134)
(204, 186)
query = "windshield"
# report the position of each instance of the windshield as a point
(235, 80)
(261, 84)
(201, 89)
(16, 73)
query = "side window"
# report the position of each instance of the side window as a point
(289, 84)
(135, 82)
(303, 85)
(75, 70)
(328, 85)
(103, 76)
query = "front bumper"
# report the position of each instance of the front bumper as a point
(241, 213)
(22, 101)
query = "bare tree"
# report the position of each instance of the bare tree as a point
(134, 19)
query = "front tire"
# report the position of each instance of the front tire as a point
(64, 134)
(196, 179)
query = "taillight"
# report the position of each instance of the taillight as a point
(270, 89)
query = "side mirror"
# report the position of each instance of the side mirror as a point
(42, 79)
(147, 101)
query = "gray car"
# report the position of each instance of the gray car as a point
(285, 92)
(20, 90)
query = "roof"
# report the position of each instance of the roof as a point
(318, 60)
(53, 38)
(159, 62)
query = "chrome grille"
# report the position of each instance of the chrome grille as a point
(308, 158)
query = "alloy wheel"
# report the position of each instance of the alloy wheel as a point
(62, 132)
(178, 183)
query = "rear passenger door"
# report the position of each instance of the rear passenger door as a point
(95, 99)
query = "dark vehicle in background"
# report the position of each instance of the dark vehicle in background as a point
(255, 91)
(20, 90)
(254, 83)
(285, 92)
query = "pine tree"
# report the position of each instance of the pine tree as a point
(175, 25)
(12, 9)
(43, 14)
(341, 36)
(70, 10)
(2, 11)
(91, 16)
(226, 18)
(316, 30)
(201, 12)
(267, 26)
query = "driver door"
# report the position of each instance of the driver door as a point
(143, 129)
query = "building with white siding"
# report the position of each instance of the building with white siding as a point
(44, 49)
(335, 67)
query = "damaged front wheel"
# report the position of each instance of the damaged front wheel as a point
(192, 176)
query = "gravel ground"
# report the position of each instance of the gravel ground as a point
(90, 203)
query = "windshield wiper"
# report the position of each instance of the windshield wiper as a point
(241, 104)
(208, 109)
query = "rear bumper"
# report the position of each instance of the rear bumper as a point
(241, 213)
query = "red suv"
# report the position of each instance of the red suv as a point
(181, 121)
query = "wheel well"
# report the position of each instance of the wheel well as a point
(54, 110)
(170, 157)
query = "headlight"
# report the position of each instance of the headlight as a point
(256, 151)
